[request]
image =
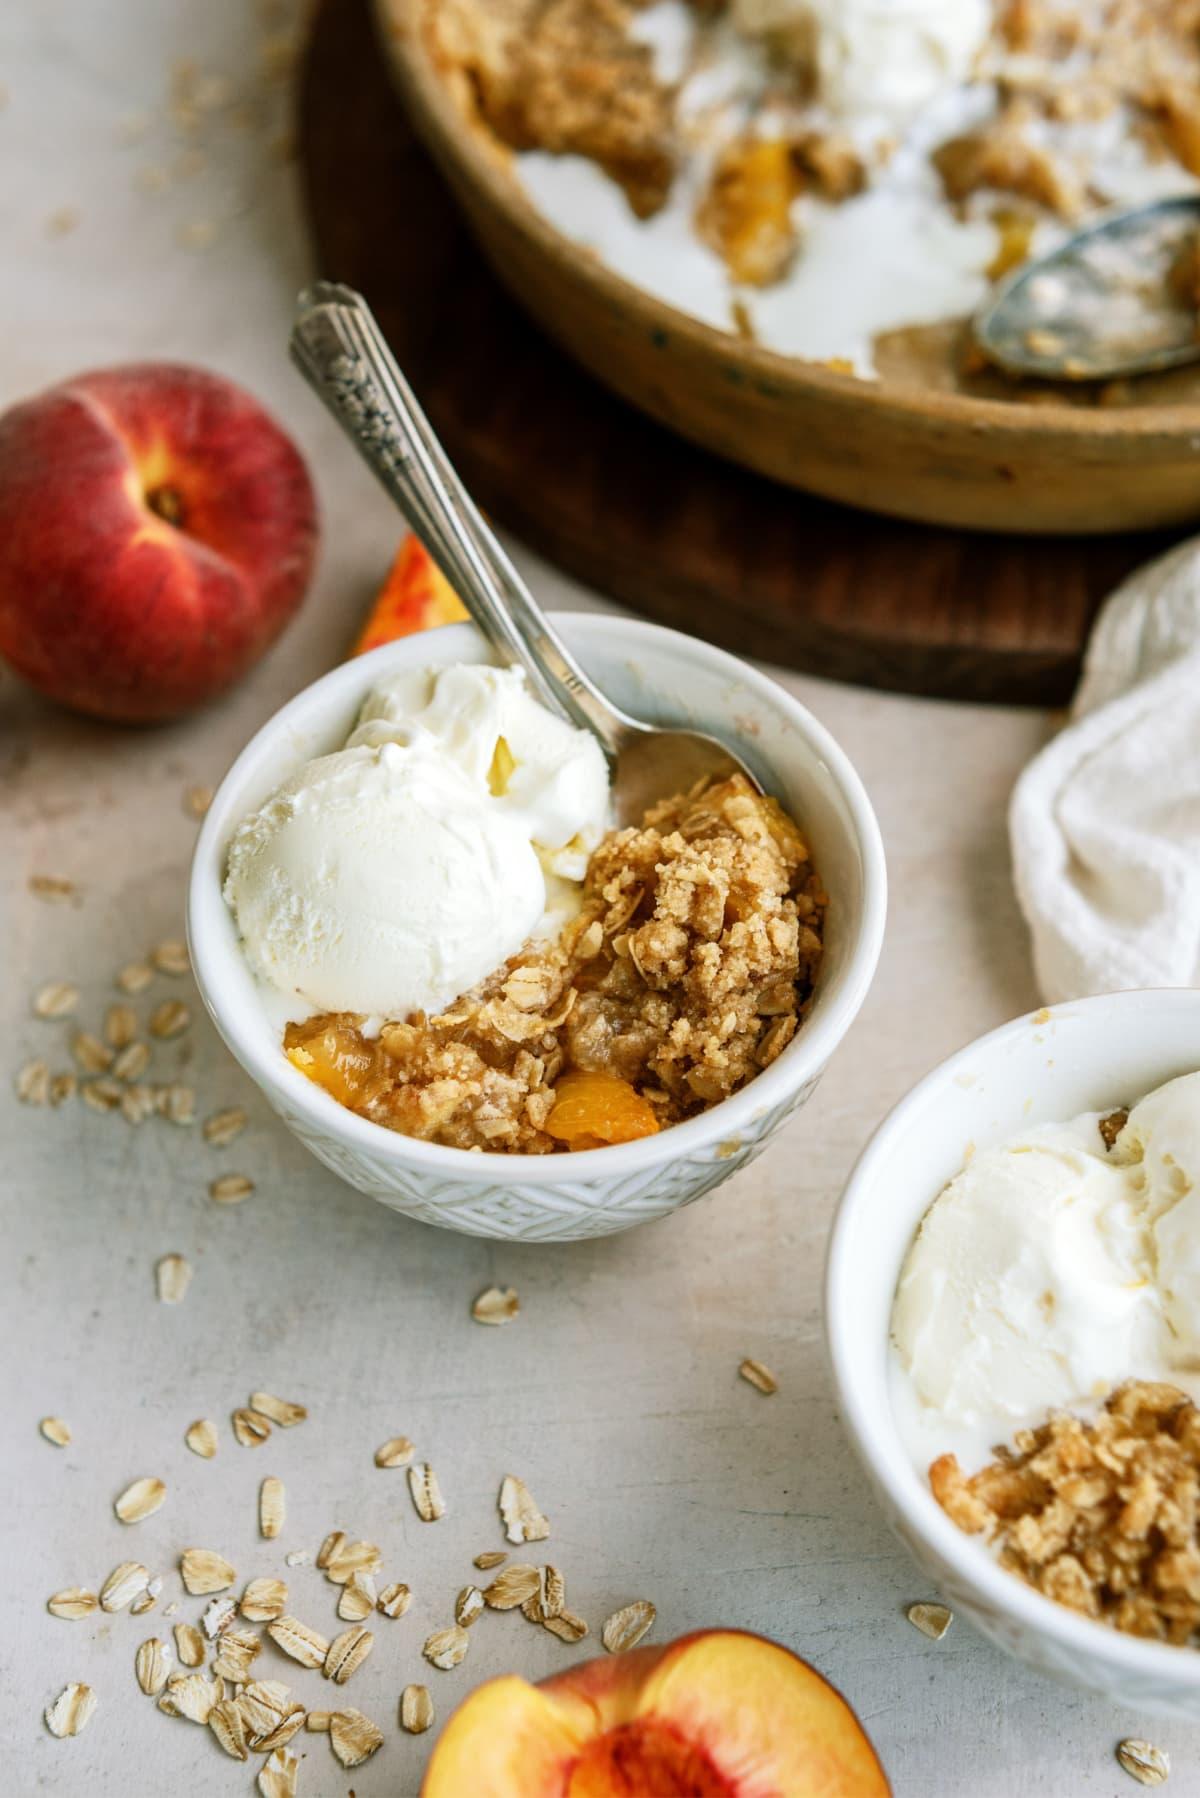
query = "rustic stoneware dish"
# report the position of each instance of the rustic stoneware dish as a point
(903, 448)
(552, 1198)
(1094, 1054)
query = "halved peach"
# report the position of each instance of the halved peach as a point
(718, 1714)
(416, 596)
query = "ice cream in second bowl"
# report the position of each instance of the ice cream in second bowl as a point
(465, 952)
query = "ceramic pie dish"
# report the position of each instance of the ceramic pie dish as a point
(592, 1192)
(904, 444)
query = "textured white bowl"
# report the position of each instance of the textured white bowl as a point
(551, 1198)
(1092, 1055)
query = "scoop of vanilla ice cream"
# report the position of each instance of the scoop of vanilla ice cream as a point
(1160, 1145)
(875, 61)
(1028, 1284)
(394, 874)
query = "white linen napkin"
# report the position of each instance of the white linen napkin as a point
(1105, 821)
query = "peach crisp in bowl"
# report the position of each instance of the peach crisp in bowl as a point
(475, 999)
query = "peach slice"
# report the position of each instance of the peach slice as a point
(718, 1714)
(592, 1110)
(416, 596)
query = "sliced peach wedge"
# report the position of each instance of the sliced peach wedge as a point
(718, 1714)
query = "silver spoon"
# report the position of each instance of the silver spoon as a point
(1103, 303)
(341, 351)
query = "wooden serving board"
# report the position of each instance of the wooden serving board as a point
(636, 512)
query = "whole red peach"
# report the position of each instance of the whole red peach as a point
(157, 531)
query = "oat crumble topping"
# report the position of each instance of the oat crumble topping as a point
(685, 973)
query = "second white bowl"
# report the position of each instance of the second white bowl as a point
(1093, 1055)
(653, 673)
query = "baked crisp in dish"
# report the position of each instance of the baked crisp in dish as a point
(686, 972)
(1103, 1517)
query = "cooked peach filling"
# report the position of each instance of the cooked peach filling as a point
(686, 972)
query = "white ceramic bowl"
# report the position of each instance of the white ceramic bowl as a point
(550, 1198)
(1091, 1055)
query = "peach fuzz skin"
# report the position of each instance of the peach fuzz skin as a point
(718, 1714)
(157, 531)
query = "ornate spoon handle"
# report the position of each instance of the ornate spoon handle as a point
(339, 348)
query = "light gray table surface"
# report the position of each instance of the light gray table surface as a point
(615, 1393)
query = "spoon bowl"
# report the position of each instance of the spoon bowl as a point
(1119, 297)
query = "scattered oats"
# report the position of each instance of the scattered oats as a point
(1149, 1765)
(62, 221)
(169, 1610)
(523, 1522)
(318, 1722)
(278, 1778)
(416, 1710)
(101, 1095)
(299, 1557)
(174, 1275)
(352, 1557)
(132, 1061)
(230, 1189)
(137, 1104)
(194, 1695)
(171, 1018)
(203, 1570)
(250, 1428)
(566, 1626)
(177, 1103)
(93, 1056)
(357, 1598)
(33, 1083)
(468, 1605)
(62, 1088)
(135, 977)
(219, 1613)
(150, 1665)
(933, 1620)
(52, 889)
(347, 1653)
(498, 1305)
(264, 1600)
(71, 1711)
(171, 957)
(305, 1645)
(196, 800)
(145, 1601)
(189, 1644)
(264, 1704)
(197, 234)
(758, 1375)
(626, 1627)
(140, 1500)
(491, 1557)
(353, 1737)
(280, 1410)
(55, 1430)
(167, 1706)
(221, 1128)
(330, 1546)
(272, 1507)
(512, 1586)
(201, 1438)
(283, 1731)
(236, 1648)
(57, 999)
(426, 1492)
(227, 1724)
(72, 1602)
(397, 1451)
(393, 1601)
(447, 1648)
(123, 1585)
(120, 1026)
